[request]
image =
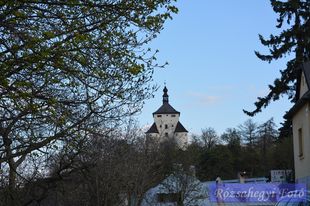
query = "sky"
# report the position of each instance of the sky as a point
(213, 72)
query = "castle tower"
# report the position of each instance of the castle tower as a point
(166, 124)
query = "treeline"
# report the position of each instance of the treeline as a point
(114, 167)
(251, 147)
(118, 166)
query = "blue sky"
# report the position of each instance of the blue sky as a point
(213, 72)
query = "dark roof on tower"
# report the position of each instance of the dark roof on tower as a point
(153, 129)
(180, 128)
(166, 108)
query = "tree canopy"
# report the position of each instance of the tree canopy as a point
(70, 68)
(294, 20)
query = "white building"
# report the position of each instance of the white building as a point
(300, 116)
(166, 124)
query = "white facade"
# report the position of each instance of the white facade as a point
(166, 123)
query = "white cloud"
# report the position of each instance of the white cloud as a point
(204, 99)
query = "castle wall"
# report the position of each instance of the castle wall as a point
(166, 124)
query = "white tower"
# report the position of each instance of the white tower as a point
(166, 124)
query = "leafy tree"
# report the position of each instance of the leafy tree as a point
(286, 129)
(233, 138)
(71, 68)
(283, 154)
(216, 162)
(244, 158)
(294, 18)
(193, 152)
(267, 137)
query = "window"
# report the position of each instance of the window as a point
(158, 115)
(172, 125)
(166, 134)
(170, 197)
(166, 126)
(300, 143)
(173, 115)
(160, 126)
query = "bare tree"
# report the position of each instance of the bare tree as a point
(208, 138)
(105, 170)
(231, 136)
(248, 131)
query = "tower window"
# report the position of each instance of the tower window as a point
(160, 126)
(166, 126)
(173, 115)
(158, 115)
(172, 125)
(166, 134)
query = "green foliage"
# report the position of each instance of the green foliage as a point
(283, 154)
(72, 68)
(216, 162)
(294, 18)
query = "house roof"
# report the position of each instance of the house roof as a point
(180, 128)
(166, 108)
(301, 101)
(306, 70)
(153, 129)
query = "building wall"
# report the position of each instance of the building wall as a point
(161, 120)
(301, 120)
(167, 132)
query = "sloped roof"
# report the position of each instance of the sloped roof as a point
(153, 129)
(180, 128)
(306, 97)
(306, 70)
(299, 104)
(166, 108)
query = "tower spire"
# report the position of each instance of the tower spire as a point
(165, 95)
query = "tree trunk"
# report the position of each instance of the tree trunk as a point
(12, 184)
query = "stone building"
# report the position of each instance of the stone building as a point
(166, 124)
